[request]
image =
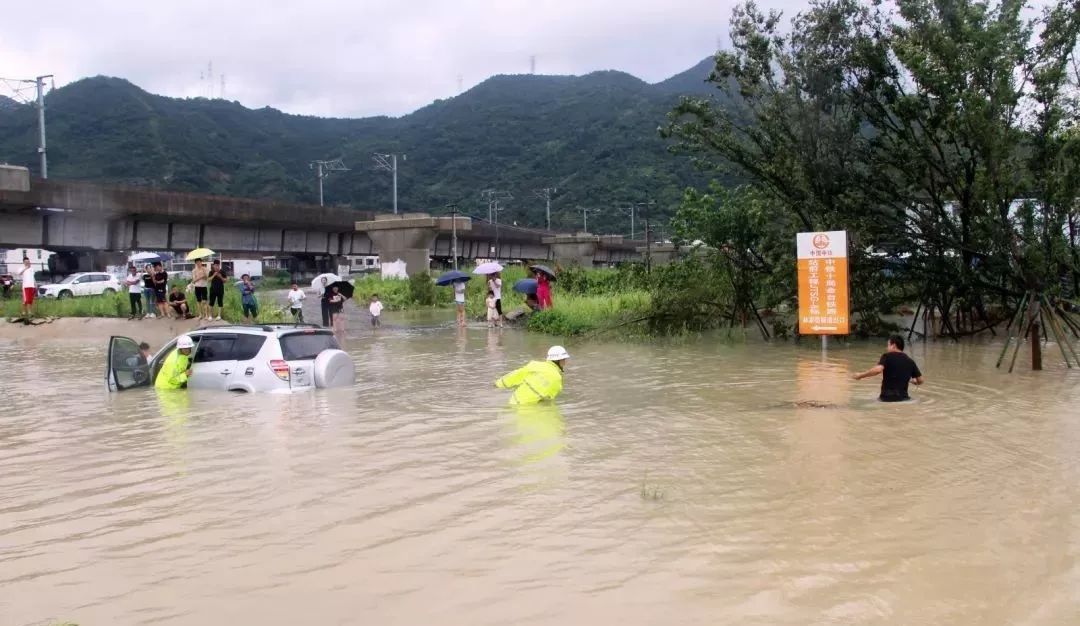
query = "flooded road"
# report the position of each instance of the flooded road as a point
(674, 483)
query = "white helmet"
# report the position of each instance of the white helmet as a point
(184, 342)
(557, 353)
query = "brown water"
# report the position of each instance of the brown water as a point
(673, 484)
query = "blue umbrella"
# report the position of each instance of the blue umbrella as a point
(452, 277)
(526, 286)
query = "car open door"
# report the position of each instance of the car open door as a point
(126, 368)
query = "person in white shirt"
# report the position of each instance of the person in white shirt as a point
(134, 285)
(459, 301)
(296, 303)
(375, 308)
(495, 286)
(29, 287)
(492, 314)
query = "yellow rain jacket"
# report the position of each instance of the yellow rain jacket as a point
(536, 382)
(173, 374)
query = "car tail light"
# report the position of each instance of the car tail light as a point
(281, 368)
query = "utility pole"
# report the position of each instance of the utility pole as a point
(323, 169)
(39, 102)
(545, 195)
(40, 82)
(645, 205)
(492, 197)
(388, 162)
(585, 216)
(453, 230)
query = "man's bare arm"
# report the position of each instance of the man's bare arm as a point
(873, 371)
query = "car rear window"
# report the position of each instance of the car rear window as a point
(306, 346)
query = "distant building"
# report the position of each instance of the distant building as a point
(12, 259)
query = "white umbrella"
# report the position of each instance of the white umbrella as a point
(488, 268)
(144, 256)
(317, 286)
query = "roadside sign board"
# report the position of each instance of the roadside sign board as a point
(823, 283)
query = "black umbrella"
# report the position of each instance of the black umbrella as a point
(544, 270)
(345, 288)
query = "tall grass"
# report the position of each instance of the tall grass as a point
(580, 314)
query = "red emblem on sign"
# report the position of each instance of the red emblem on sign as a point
(821, 241)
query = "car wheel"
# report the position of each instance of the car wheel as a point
(64, 294)
(109, 291)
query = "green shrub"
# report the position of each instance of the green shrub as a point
(422, 289)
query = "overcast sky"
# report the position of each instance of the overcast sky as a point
(354, 57)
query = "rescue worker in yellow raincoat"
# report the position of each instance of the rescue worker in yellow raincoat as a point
(538, 380)
(177, 367)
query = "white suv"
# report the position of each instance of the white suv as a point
(276, 358)
(81, 284)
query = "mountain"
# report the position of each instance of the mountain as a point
(8, 104)
(593, 137)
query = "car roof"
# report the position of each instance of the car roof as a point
(276, 329)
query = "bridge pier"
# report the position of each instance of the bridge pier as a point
(404, 241)
(577, 249)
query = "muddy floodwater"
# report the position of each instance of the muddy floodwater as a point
(701, 482)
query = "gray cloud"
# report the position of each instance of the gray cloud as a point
(341, 58)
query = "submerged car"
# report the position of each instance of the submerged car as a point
(81, 284)
(274, 358)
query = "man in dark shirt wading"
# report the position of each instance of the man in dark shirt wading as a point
(897, 370)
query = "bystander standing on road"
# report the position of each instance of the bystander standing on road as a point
(199, 278)
(324, 302)
(161, 287)
(134, 284)
(296, 303)
(149, 301)
(247, 299)
(217, 291)
(29, 288)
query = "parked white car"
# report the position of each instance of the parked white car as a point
(275, 358)
(81, 284)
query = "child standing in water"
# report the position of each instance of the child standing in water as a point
(492, 311)
(375, 308)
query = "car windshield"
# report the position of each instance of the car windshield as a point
(307, 345)
(69, 279)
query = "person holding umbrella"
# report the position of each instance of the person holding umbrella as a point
(538, 380)
(458, 280)
(339, 292)
(492, 271)
(544, 276)
(337, 309)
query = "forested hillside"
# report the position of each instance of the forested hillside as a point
(592, 137)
